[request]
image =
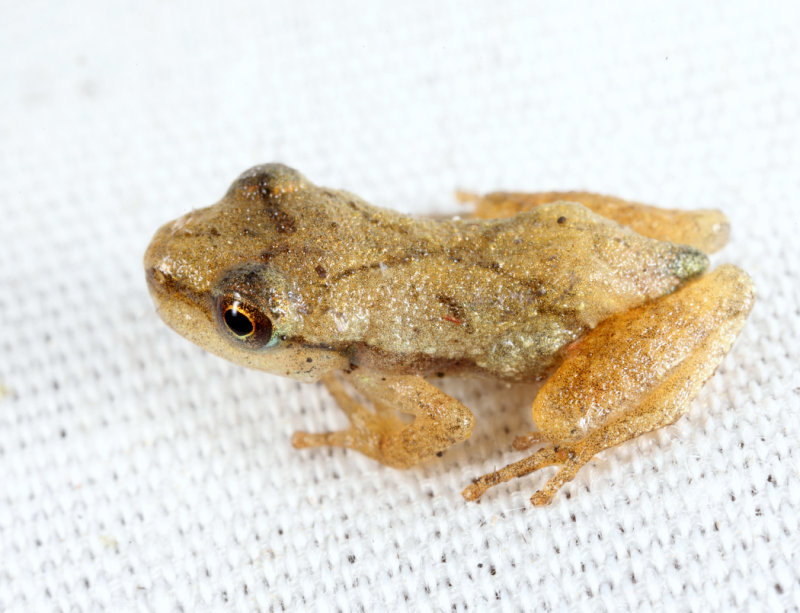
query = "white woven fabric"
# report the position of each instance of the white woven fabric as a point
(139, 473)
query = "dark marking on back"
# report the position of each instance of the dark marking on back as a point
(456, 313)
(270, 253)
(284, 223)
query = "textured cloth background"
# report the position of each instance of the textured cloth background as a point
(139, 473)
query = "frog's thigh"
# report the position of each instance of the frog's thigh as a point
(665, 403)
(636, 372)
(619, 366)
(707, 229)
(439, 420)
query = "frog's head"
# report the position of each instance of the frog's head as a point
(209, 276)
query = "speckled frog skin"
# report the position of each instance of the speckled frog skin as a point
(315, 284)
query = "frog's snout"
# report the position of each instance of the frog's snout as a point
(154, 255)
(172, 280)
(167, 274)
(157, 281)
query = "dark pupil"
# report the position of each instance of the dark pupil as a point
(237, 322)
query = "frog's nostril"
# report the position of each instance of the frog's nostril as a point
(157, 279)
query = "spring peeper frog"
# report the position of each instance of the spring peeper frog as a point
(607, 298)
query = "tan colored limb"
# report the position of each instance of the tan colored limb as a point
(707, 230)
(439, 421)
(635, 373)
(665, 404)
(540, 459)
(365, 426)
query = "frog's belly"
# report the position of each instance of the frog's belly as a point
(516, 356)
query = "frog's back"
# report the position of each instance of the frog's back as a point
(499, 297)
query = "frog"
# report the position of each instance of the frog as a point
(609, 304)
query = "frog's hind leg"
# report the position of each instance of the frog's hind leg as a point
(549, 456)
(439, 421)
(636, 372)
(707, 230)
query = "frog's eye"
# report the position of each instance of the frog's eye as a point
(239, 321)
(244, 322)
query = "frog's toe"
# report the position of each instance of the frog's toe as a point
(526, 441)
(473, 492)
(567, 472)
(304, 440)
(544, 457)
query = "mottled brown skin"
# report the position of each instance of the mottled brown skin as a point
(315, 284)
(708, 229)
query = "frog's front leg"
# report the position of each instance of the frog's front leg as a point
(439, 420)
(636, 372)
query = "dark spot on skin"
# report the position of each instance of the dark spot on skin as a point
(253, 186)
(321, 272)
(260, 187)
(284, 223)
(264, 184)
(212, 231)
(561, 219)
(268, 254)
(309, 360)
(385, 263)
(456, 313)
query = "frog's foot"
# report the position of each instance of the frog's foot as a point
(634, 373)
(439, 421)
(526, 441)
(569, 460)
(367, 428)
